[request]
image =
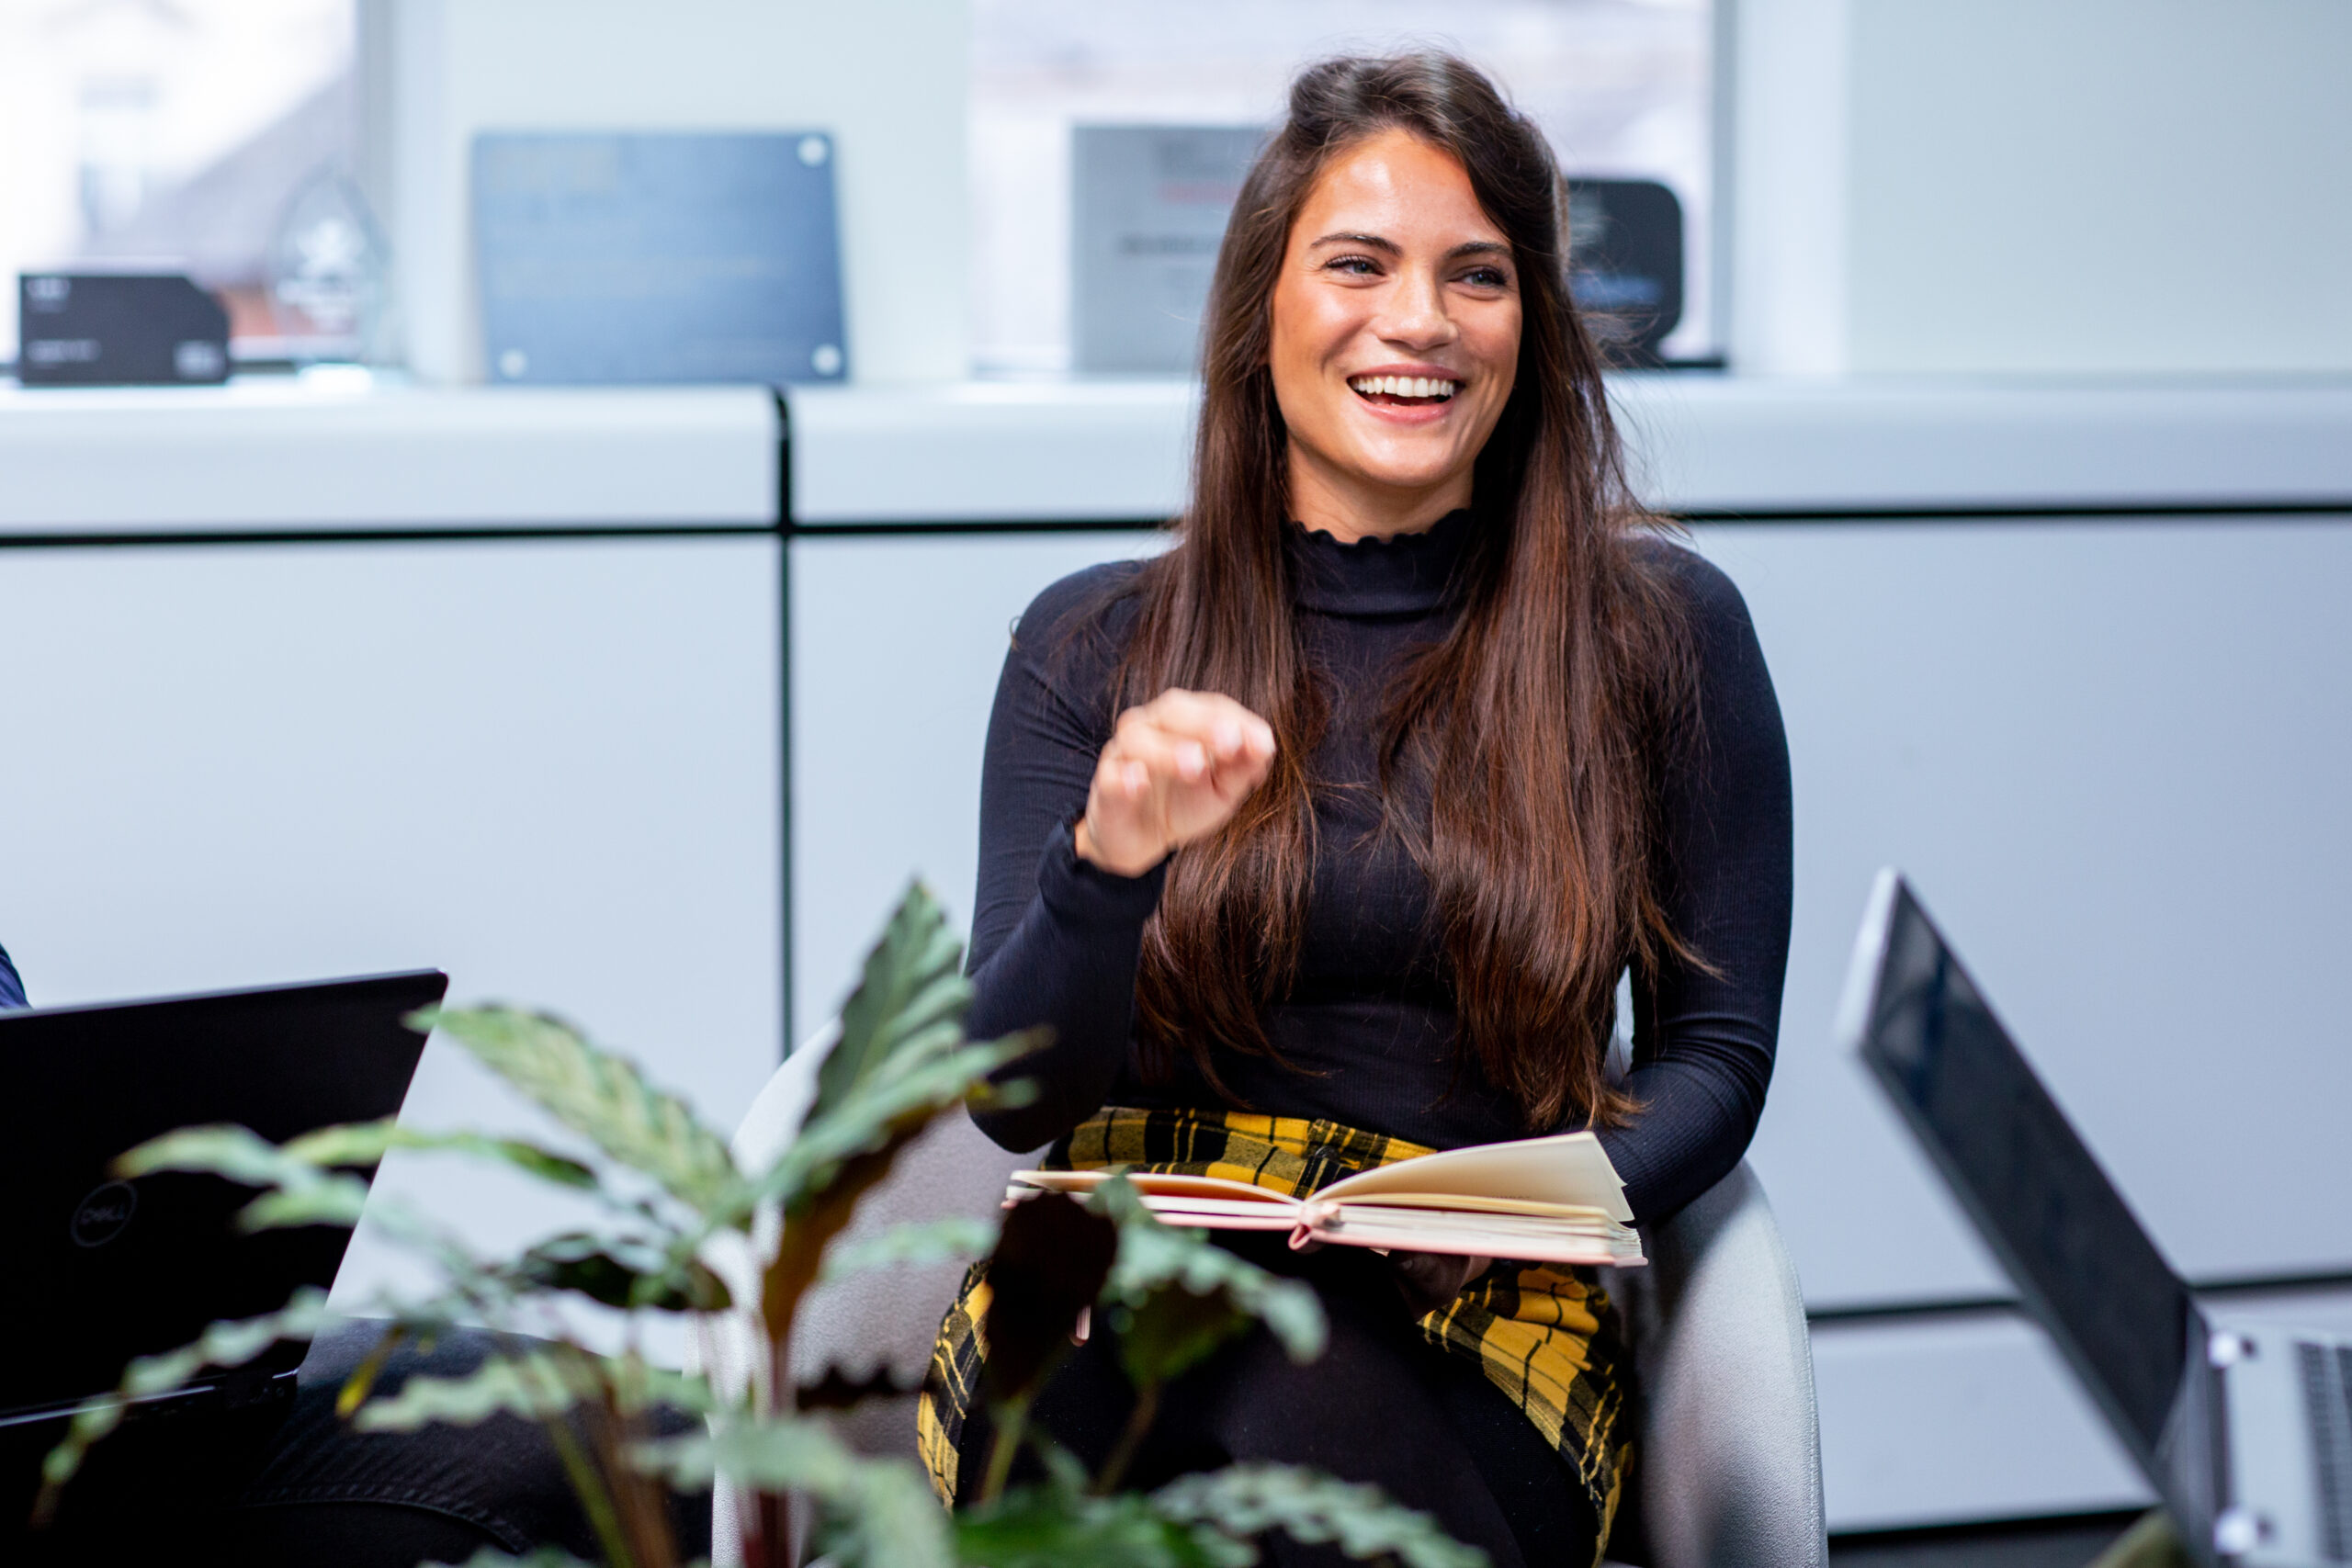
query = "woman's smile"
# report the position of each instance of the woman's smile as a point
(1407, 394)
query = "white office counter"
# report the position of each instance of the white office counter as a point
(278, 454)
(1116, 450)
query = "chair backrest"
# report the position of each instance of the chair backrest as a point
(890, 1316)
(882, 1317)
(1729, 1465)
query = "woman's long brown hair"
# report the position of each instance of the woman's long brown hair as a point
(1542, 714)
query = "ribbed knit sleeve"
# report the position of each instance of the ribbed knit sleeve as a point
(1704, 1043)
(1055, 940)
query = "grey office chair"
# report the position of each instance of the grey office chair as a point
(1729, 1466)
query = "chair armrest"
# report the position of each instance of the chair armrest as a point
(1729, 1464)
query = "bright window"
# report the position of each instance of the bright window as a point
(171, 133)
(1623, 88)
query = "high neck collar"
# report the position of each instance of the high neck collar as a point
(1404, 574)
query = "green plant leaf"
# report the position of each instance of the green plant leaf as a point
(1170, 1331)
(1051, 1258)
(598, 1094)
(954, 1240)
(315, 1160)
(220, 1345)
(1041, 1526)
(893, 1106)
(889, 1520)
(544, 1557)
(1174, 1296)
(643, 1384)
(238, 1153)
(621, 1271)
(901, 1057)
(910, 1001)
(877, 1511)
(335, 1200)
(366, 1142)
(1245, 1500)
(760, 1453)
(535, 1386)
(304, 1181)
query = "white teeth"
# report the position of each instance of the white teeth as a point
(1406, 387)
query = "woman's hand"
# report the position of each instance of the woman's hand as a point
(1175, 770)
(1429, 1280)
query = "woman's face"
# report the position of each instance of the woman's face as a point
(1394, 341)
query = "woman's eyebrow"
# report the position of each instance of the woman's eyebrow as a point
(1390, 247)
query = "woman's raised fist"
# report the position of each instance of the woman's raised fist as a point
(1175, 770)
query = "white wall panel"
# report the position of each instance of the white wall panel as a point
(2102, 187)
(2113, 757)
(1962, 1418)
(896, 646)
(550, 769)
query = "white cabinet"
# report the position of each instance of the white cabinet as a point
(551, 766)
(2113, 758)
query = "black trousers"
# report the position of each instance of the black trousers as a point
(305, 1488)
(1381, 1404)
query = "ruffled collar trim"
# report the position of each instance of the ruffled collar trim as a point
(1404, 574)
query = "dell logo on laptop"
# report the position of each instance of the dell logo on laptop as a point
(101, 1216)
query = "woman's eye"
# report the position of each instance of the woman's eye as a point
(1486, 277)
(1362, 266)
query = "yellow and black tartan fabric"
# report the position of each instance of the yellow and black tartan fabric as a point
(1547, 1336)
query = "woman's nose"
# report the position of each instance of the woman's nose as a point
(1417, 316)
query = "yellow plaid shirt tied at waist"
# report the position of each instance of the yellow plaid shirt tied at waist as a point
(1547, 1336)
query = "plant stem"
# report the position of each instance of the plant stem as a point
(637, 1500)
(1012, 1420)
(773, 1550)
(800, 1251)
(1131, 1435)
(595, 1501)
(362, 1381)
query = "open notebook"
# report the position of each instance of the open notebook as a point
(1555, 1199)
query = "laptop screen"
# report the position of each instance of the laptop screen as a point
(100, 1269)
(2039, 1200)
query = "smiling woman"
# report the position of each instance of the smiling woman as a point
(1322, 839)
(1395, 339)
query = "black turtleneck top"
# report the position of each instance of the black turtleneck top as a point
(1366, 1031)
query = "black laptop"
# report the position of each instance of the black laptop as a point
(2244, 1429)
(99, 1270)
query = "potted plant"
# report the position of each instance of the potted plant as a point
(684, 1230)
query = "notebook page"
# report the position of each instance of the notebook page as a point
(1567, 1167)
